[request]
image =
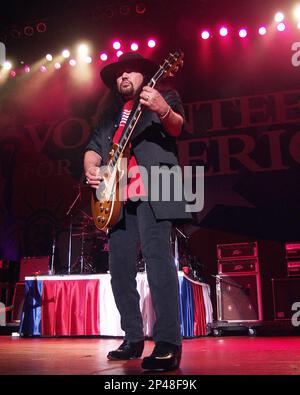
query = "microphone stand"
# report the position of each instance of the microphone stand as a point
(71, 230)
(53, 253)
(189, 253)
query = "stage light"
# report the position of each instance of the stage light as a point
(108, 12)
(297, 12)
(119, 53)
(49, 57)
(12, 73)
(57, 65)
(72, 62)
(87, 59)
(116, 45)
(103, 57)
(205, 35)
(298, 25)
(26, 69)
(28, 31)
(134, 47)
(151, 43)
(242, 33)
(124, 10)
(15, 34)
(43, 69)
(223, 31)
(41, 27)
(262, 30)
(66, 53)
(279, 17)
(140, 8)
(281, 27)
(7, 65)
(83, 51)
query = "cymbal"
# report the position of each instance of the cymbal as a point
(90, 235)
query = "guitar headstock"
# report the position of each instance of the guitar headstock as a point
(173, 63)
(169, 67)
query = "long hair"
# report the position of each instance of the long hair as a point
(111, 104)
(108, 108)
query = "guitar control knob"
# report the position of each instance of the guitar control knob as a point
(106, 211)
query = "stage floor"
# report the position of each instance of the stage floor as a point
(237, 355)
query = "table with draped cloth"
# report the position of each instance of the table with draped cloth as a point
(83, 305)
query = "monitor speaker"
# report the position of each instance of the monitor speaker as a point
(286, 292)
(239, 297)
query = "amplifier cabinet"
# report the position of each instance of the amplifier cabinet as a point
(34, 266)
(293, 267)
(292, 250)
(239, 297)
(286, 291)
(238, 266)
(237, 250)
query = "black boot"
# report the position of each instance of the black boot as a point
(165, 356)
(127, 350)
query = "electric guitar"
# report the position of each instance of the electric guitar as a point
(106, 204)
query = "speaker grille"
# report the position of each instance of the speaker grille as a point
(239, 298)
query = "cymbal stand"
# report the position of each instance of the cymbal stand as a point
(82, 253)
(53, 255)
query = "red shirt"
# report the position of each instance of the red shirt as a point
(134, 187)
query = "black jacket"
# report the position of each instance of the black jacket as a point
(152, 146)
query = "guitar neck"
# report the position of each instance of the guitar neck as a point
(169, 64)
(127, 134)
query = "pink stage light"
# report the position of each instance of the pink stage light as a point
(88, 59)
(103, 57)
(43, 69)
(205, 35)
(72, 62)
(116, 45)
(243, 33)
(298, 25)
(134, 47)
(223, 31)
(119, 53)
(279, 17)
(262, 30)
(26, 69)
(12, 73)
(281, 27)
(151, 43)
(57, 65)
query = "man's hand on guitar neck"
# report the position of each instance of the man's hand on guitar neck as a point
(153, 100)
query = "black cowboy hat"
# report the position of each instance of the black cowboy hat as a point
(131, 60)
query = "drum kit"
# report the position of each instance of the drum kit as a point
(80, 247)
(83, 249)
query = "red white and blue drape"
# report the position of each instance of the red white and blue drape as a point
(84, 306)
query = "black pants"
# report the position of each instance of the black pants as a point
(140, 225)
